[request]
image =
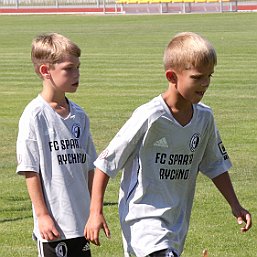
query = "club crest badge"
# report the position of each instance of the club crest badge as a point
(75, 130)
(194, 142)
(61, 250)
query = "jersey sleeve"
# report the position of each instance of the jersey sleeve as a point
(123, 146)
(215, 160)
(27, 146)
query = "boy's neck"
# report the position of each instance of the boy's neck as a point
(180, 109)
(59, 104)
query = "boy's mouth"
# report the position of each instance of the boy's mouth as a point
(201, 93)
(75, 84)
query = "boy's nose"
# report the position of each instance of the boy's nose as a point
(77, 74)
(205, 82)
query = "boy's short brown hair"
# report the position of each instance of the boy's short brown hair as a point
(52, 48)
(189, 50)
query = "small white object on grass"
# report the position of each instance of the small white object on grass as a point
(205, 253)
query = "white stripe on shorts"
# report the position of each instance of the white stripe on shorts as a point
(40, 249)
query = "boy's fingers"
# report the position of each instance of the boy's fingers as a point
(248, 221)
(92, 236)
(106, 230)
(239, 220)
(51, 234)
(96, 240)
(56, 233)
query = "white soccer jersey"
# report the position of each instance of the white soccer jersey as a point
(160, 161)
(61, 150)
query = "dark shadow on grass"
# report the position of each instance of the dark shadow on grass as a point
(19, 209)
(15, 219)
(109, 204)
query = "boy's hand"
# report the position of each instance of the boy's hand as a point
(47, 228)
(224, 185)
(94, 224)
(243, 215)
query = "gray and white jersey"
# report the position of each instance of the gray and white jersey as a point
(160, 160)
(61, 150)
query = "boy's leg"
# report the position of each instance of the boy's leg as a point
(78, 247)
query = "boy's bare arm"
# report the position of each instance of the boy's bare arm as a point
(90, 180)
(46, 224)
(96, 220)
(224, 185)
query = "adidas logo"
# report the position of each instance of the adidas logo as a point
(86, 247)
(161, 143)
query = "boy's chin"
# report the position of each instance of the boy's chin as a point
(73, 90)
(197, 100)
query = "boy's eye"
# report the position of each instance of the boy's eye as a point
(196, 77)
(71, 68)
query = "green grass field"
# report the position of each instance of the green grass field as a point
(121, 69)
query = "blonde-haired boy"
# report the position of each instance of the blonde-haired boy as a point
(161, 149)
(55, 151)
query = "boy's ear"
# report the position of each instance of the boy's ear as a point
(44, 71)
(171, 76)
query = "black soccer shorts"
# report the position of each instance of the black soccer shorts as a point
(163, 253)
(75, 247)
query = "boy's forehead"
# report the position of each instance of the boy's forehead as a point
(69, 58)
(202, 69)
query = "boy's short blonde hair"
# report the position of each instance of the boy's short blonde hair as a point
(52, 48)
(189, 50)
